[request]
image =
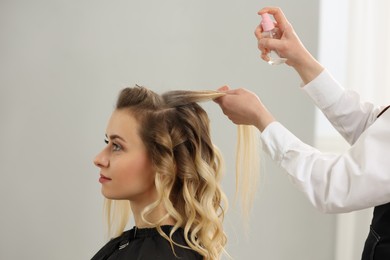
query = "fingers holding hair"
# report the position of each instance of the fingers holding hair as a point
(223, 88)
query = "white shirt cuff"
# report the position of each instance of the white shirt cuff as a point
(324, 90)
(276, 140)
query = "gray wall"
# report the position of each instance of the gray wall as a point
(62, 64)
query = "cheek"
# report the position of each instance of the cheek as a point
(138, 171)
(132, 177)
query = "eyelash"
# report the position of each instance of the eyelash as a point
(116, 147)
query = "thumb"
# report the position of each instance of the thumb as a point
(223, 88)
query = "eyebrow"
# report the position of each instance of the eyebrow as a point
(112, 137)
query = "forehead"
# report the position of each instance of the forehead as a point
(123, 123)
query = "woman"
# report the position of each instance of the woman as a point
(160, 163)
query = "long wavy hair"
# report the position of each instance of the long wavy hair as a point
(188, 167)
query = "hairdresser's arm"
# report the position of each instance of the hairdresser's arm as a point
(355, 180)
(333, 183)
(344, 110)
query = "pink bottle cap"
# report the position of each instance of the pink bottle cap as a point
(266, 23)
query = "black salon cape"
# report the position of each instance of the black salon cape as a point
(146, 244)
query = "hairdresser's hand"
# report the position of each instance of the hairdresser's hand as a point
(243, 107)
(288, 46)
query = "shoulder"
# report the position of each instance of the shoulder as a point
(111, 247)
(148, 243)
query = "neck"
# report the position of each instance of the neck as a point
(153, 217)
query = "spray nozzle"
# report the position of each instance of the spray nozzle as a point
(266, 22)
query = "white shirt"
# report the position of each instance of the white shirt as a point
(337, 183)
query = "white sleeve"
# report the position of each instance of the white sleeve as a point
(357, 179)
(343, 108)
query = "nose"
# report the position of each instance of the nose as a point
(101, 160)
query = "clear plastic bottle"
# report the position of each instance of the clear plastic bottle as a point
(270, 31)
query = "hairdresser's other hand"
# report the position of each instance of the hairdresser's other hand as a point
(244, 107)
(288, 46)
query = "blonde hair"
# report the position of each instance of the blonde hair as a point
(175, 130)
(247, 167)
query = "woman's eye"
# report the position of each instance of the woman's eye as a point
(116, 147)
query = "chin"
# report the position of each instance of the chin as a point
(109, 195)
(112, 196)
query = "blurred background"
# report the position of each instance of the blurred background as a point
(62, 65)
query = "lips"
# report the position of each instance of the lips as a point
(104, 179)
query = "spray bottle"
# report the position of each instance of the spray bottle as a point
(270, 31)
